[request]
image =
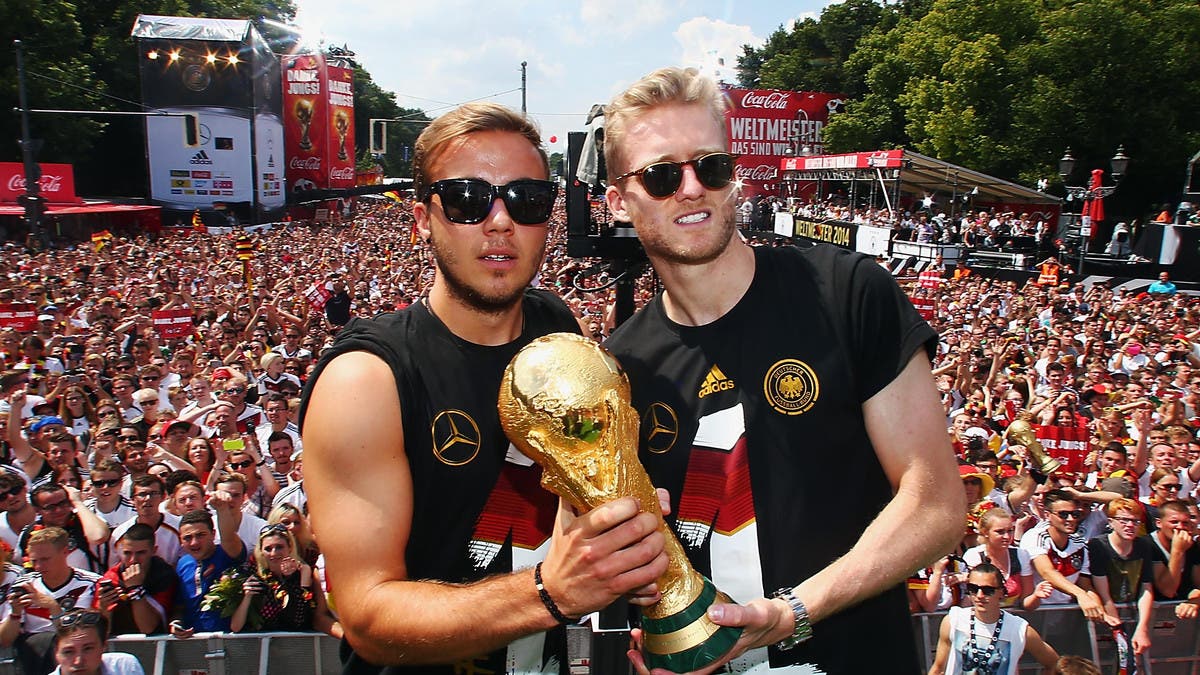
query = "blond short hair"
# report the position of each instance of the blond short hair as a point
(442, 133)
(662, 87)
(55, 536)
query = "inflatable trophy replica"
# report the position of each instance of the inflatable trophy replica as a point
(564, 402)
(1021, 432)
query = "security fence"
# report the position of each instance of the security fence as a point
(1175, 650)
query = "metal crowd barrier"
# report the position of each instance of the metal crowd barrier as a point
(1175, 647)
(1174, 650)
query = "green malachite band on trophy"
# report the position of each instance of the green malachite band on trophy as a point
(688, 640)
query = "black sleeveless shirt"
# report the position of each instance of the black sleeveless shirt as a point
(478, 510)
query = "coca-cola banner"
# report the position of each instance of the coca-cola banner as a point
(57, 182)
(304, 136)
(1069, 445)
(768, 125)
(880, 159)
(19, 316)
(318, 110)
(340, 130)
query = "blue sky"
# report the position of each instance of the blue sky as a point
(433, 55)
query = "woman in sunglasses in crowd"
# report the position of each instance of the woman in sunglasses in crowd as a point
(1165, 486)
(279, 594)
(297, 524)
(984, 639)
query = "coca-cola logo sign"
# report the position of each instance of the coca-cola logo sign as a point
(760, 172)
(46, 183)
(342, 173)
(305, 163)
(775, 100)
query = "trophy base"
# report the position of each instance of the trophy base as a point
(689, 640)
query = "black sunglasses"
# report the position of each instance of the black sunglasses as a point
(81, 617)
(111, 482)
(13, 492)
(468, 201)
(277, 528)
(240, 465)
(1077, 515)
(662, 179)
(988, 591)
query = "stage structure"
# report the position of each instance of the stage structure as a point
(223, 72)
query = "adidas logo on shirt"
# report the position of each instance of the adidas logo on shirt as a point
(715, 381)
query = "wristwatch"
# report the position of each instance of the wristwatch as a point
(803, 632)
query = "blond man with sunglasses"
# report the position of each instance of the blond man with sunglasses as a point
(774, 374)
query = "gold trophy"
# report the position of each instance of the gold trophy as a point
(303, 109)
(341, 123)
(1020, 432)
(564, 402)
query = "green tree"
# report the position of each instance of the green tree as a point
(373, 102)
(1003, 87)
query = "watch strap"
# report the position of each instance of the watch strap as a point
(803, 631)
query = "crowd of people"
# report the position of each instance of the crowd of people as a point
(160, 480)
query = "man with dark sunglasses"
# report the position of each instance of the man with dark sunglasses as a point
(748, 362)
(409, 474)
(1059, 555)
(61, 506)
(17, 511)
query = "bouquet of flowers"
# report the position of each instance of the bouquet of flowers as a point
(226, 594)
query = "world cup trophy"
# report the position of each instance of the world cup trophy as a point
(341, 124)
(303, 110)
(1020, 432)
(564, 402)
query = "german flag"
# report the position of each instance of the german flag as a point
(197, 222)
(101, 238)
(245, 248)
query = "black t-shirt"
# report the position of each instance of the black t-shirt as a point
(475, 512)
(1190, 561)
(1125, 575)
(754, 424)
(337, 308)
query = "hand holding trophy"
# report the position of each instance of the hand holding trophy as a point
(565, 402)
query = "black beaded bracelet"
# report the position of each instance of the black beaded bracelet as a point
(546, 599)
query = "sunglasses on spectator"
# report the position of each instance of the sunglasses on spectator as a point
(662, 179)
(107, 413)
(988, 591)
(241, 465)
(1172, 487)
(81, 617)
(13, 492)
(468, 201)
(232, 390)
(1077, 515)
(277, 528)
(106, 483)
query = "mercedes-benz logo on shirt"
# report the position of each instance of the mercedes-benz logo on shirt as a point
(455, 437)
(662, 427)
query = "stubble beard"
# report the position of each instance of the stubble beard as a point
(476, 299)
(659, 246)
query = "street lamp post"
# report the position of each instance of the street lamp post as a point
(1066, 166)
